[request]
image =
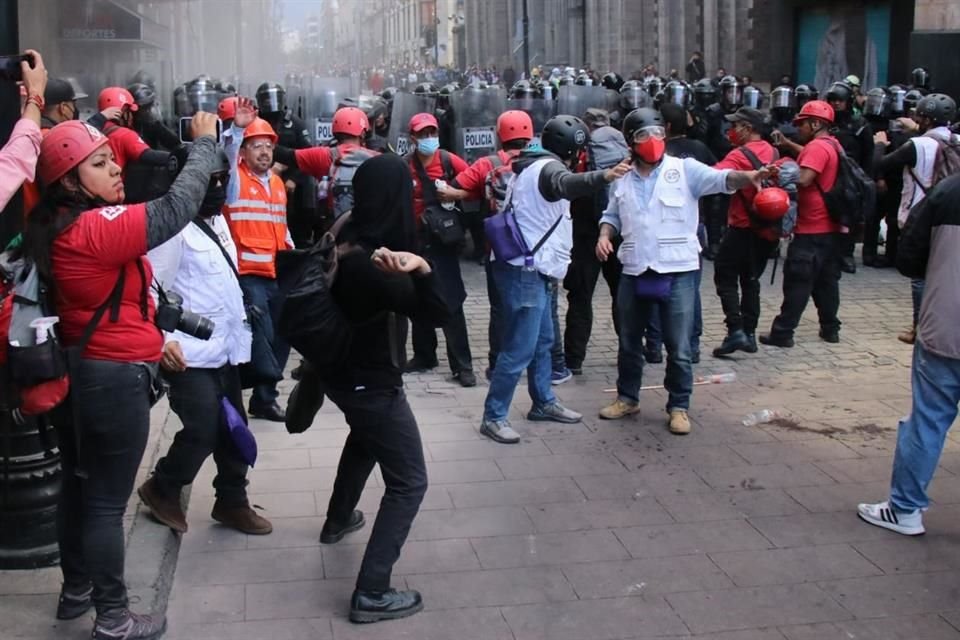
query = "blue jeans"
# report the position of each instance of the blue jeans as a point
(936, 393)
(916, 293)
(557, 360)
(265, 294)
(677, 313)
(527, 339)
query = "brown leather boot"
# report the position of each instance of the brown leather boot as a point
(242, 518)
(164, 509)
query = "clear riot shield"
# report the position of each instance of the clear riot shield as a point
(475, 113)
(322, 97)
(538, 109)
(574, 99)
(405, 106)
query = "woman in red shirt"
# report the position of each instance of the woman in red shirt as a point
(90, 251)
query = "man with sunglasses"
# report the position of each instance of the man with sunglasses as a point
(655, 209)
(200, 265)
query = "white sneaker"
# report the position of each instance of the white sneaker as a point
(883, 515)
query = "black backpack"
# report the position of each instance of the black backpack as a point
(853, 195)
(310, 319)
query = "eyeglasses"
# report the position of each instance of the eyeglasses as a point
(646, 133)
(258, 146)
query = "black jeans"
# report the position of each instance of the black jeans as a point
(736, 272)
(580, 283)
(812, 268)
(106, 441)
(195, 397)
(446, 262)
(382, 431)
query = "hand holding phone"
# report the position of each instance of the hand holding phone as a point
(203, 124)
(33, 72)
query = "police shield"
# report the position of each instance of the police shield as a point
(538, 109)
(574, 100)
(322, 97)
(405, 106)
(475, 113)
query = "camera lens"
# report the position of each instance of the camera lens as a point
(195, 325)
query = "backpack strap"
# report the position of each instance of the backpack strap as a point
(210, 233)
(447, 164)
(112, 303)
(427, 188)
(840, 155)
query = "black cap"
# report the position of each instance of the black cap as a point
(59, 90)
(753, 117)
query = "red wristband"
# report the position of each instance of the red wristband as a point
(37, 100)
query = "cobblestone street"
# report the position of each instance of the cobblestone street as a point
(603, 530)
(616, 530)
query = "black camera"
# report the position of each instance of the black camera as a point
(171, 316)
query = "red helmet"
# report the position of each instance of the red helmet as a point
(350, 121)
(514, 125)
(227, 109)
(116, 97)
(815, 109)
(771, 203)
(260, 127)
(64, 147)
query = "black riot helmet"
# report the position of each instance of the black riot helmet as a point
(271, 98)
(752, 97)
(228, 90)
(704, 93)
(920, 78)
(781, 97)
(897, 94)
(181, 103)
(203, 95)
(443, 96)
(143, 77)
(427, 89)
(565, 81)
(911, 99)
(840, 92)
(678, 92)
(545, 90)
(584, 80)
(388, 94)
(640, 118)
(939, 107)
(143, 95)
(805, 93)
(523, 89)
(731, 95)
(612, 81)
(653, 85)
(877, 104)
(633, 96)
(565, 136)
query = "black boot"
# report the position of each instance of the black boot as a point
(374, 606)
(333, 532)
(735, 341)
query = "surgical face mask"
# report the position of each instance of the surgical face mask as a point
(650, 150)
(428, 146)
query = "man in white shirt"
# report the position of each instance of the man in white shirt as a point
(199, 264)
(655, 209)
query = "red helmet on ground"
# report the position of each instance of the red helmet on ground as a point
(116, 97)
(815, 109)
(259, 127)
(350, 121)
(64, 147)
(227, 109)
(771, 203)
(514, 125)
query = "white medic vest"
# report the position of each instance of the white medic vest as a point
(660, 234)
(535, 216)
(926, 146)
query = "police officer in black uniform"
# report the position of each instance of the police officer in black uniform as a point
(293, 134)
(782, 110)
(856, 137)
(730, 99)
(148, 120)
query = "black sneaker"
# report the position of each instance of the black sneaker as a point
(751, 343)
(695, 357)
(416, 365)
(653, 357)
(848, 264)
(73, 604)
(830, 335)
(333, 532)
(374, 606)
(273, 413)
(127, 625)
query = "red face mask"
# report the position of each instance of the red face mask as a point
(732, 136)
(650, 151)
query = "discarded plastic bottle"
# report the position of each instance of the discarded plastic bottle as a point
(323, 189)
(721, 378)
(760, 417)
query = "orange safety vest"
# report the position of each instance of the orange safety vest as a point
(258, 223)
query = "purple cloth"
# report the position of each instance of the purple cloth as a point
(240, 433)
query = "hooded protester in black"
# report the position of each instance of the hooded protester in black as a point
(383, 206)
